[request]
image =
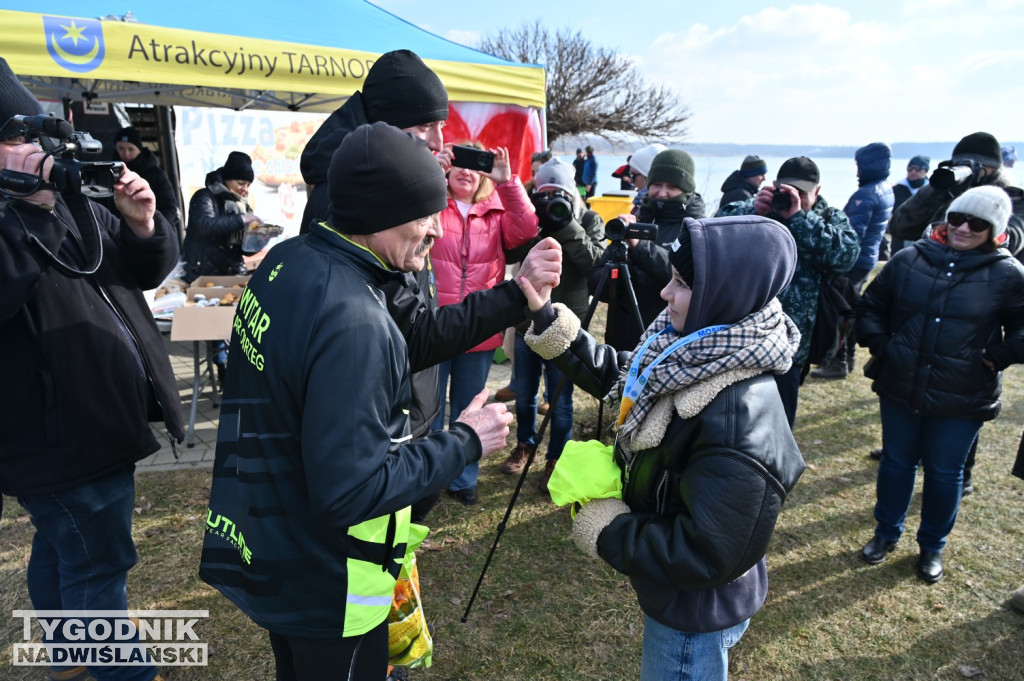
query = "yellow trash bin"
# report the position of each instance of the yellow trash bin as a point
(610, 207)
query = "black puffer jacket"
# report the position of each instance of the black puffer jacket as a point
(85, 368)
(703, 502)
(928, 316)
(213, 240)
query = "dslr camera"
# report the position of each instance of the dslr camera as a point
(782, 201)
(69, 175)
(617, 231)
(553, 211)
(948, 175)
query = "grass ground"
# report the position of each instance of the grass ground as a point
(545, 612)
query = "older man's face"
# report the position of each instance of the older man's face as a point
(405, 247)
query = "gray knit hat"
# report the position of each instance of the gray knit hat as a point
(556, 174)
(675, 167)
(987, 202)
(753, 166)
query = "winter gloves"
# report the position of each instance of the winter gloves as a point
(593, 518)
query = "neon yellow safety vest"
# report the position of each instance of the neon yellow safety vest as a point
(375, 556)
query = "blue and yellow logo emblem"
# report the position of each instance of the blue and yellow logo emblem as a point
(75, 44)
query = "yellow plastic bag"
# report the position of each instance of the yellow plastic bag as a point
(409, 641)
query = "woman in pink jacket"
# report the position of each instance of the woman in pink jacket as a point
(487, 214)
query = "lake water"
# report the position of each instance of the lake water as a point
(838, 175)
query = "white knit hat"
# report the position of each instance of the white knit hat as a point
(640, 161)
(988, 203)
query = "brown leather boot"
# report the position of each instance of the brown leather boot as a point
(549, 468)
(516, 461)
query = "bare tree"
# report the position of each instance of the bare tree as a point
(591, 90)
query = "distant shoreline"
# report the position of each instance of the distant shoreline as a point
(938, 151)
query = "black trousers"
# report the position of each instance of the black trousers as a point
(332, 659)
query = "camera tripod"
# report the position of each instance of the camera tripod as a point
(615, 268)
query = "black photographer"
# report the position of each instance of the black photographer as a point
(671, 197)
(977, 161)
(85, 369)
(580, 232)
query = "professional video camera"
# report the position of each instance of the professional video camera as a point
(782, 201)
(69, 175)
(554, 210)
(616, 230)
(949, 175)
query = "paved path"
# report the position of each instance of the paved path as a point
(208, 416)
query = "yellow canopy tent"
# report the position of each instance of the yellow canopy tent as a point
(309, 57)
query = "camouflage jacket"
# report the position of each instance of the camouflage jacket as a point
(826, 245)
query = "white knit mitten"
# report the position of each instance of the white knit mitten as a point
(591, 519)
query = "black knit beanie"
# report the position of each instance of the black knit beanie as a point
(380, 177)
(237, 167)
(681, 255)
(675, 167)
(15, 100)
(130, 135)
(980, 147)
(402, 91)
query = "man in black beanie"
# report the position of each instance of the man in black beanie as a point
(85, 369)
(979, 156)
(402, 91)
(399, 90)
(315, 467)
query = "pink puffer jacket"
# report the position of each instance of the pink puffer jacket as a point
(471, 254)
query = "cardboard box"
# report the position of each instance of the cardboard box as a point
(221, 287)
(194, 323)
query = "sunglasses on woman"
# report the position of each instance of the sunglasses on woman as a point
(977, 225)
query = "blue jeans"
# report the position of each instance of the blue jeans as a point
(468, 373)
(82, 551)
(527, 381)
(940, 445)
(671, 655)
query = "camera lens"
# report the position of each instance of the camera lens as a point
(782, 202)
(559, 210)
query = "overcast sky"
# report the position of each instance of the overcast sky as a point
(831, 73)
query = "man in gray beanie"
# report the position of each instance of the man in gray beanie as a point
(314, 464)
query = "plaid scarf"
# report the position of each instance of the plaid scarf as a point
(766, 340)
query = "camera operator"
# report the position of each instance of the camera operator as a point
(671, 197)
(827, 246)
(580, 232)
(977, 161)
(85, 371)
